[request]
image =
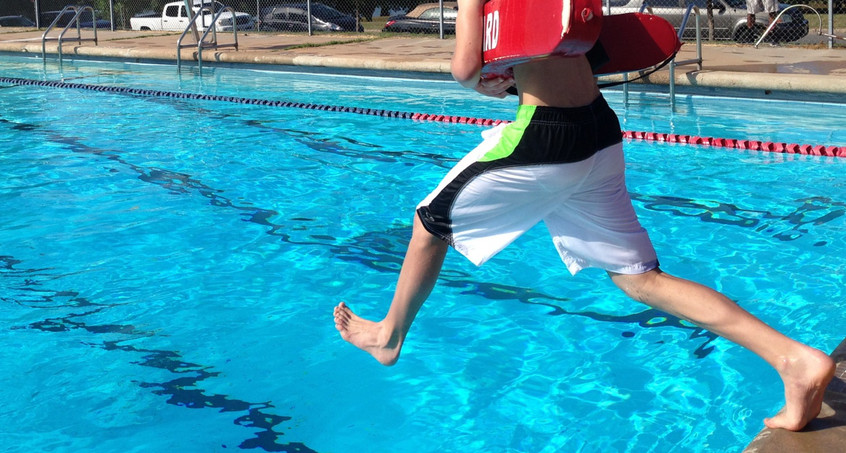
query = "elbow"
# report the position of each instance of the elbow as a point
(467, 75)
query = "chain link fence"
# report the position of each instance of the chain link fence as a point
(720, 20)
(733, 20)
(368, 16)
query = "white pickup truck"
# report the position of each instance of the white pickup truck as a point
(174, 17)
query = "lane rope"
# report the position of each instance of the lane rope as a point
(752, 145)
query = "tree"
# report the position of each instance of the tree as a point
(358, 8)
(17, 8)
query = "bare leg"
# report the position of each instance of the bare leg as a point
(420, 269)
(804, 371)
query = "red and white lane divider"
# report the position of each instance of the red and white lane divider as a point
(754, 145)
(790, 148)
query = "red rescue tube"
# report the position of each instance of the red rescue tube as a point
(515, 33)
(619, 43)
(634, 42)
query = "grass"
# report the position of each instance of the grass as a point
(330, 43)
(375, 25)
(839, 20)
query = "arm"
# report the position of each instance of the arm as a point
(467, 58)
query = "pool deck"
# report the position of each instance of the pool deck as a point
(811, 72)
(808, 72)
(825, 434)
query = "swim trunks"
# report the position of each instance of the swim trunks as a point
(562, 166)
(757, 6)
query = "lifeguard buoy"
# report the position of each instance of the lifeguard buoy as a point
(615, 44)
(515, 33)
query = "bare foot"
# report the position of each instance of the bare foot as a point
(805, 379)
(371, 337)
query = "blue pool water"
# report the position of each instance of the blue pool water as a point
(168, 270)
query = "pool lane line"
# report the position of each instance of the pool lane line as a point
(752, 145)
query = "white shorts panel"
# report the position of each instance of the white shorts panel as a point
(584, 205)
(758, 6)
(483, 204)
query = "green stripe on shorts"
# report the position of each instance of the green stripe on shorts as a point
(511, 135)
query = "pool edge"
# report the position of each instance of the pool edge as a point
(826, 433)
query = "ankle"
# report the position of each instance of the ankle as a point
(805, 363)
(388, 336)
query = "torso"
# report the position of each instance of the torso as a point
(556, 82)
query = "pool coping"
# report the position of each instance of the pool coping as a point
(825, 434)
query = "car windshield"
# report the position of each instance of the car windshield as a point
(208, 3)
(435, 14)
(324, 11)
(16, 21)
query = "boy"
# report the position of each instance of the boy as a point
(756, 6)
(561, 162)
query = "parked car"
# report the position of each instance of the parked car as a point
(426, 18)
(85, 19)
(729, 19)
(16, 21)
(101, 23)
(174, 17)
(294, 17)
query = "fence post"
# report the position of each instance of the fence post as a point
(111, 15)
(441, 19)
(831, 23)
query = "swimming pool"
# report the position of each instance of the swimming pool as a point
(169, 268)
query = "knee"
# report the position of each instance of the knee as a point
(421, 234)
(637, 286)
(418, 229)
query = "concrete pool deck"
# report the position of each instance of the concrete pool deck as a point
(812, 73)
(825, 434)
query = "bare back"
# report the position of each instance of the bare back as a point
(556, 82)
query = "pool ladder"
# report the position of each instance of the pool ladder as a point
(78, 10)
(691, 10)
(201, 40)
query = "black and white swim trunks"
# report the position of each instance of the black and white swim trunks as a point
(562, 166)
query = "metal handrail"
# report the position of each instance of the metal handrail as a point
(643, 7)
(201, 41)
(691, 9)
(213, 29)
(775, 21)
(73, 21)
